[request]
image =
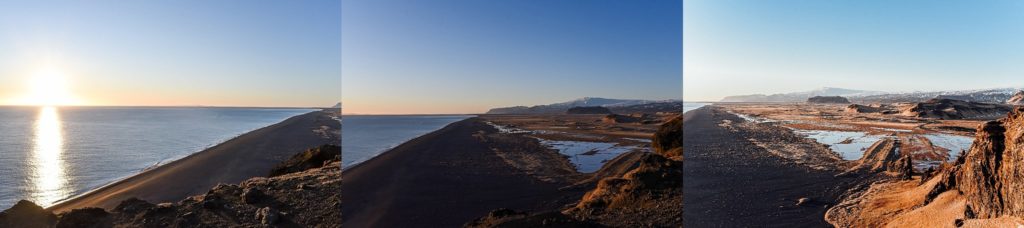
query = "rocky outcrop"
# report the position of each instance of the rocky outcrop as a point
(828, 100)
(312, 158)
(309, 198)
(668, 141)
(588, 110)
(955, 109)
(27, 214)
(1016, 99)
(654, 187)
(645, 193)
(85, 217)
(880, 156)
(992, 175)
(982, 188)
(653, 107)
(856, 108)
(616, 118)
(875, 108)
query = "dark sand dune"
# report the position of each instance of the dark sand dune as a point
(442, 179)
(249, 155)
(729, 182)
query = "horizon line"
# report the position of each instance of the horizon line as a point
(169, 106)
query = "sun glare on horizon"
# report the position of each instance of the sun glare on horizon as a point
(48, 87)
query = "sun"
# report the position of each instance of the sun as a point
(48, 87)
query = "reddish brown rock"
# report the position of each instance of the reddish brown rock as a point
(992, 176)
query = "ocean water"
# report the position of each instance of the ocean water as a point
(364, 137)
(687, 106)
(51, 153)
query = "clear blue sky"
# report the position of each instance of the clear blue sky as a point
(225, 53)
(755, 46)
(466, 56)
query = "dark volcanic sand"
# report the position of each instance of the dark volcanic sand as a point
(442, 179)
(730, 182)
(249, 155)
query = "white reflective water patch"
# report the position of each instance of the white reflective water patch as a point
(587, 156)
(837, 141)
(954, 143)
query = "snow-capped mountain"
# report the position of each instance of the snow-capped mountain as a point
(995, 96)
(597, 101)
(999, 95)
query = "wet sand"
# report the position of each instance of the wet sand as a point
(249, 155)
(442, 179)
(730, 182)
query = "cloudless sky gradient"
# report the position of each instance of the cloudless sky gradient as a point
(155, 53)
(466, 56)
(753, 46)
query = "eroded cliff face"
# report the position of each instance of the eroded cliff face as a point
(992, 175)
(985, 187)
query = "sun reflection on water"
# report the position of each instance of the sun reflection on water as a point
(48, 177)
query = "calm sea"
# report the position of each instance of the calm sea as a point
(363, 137)
(49, 154)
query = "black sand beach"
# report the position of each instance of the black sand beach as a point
(442, 179)
(730, 182)
(249, 155)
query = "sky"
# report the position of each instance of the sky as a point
(765, 47)
(171, 53)
(467, 56)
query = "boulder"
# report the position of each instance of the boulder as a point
(267, 215)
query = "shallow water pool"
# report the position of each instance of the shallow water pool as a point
(587, 156)
(954, 143)
(854, 147)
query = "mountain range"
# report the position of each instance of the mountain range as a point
(801, 96)
(613, 104)
(999, 95)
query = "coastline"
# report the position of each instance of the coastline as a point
(761, 188)
(393, 146)
(230, 161)
(443, 178)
